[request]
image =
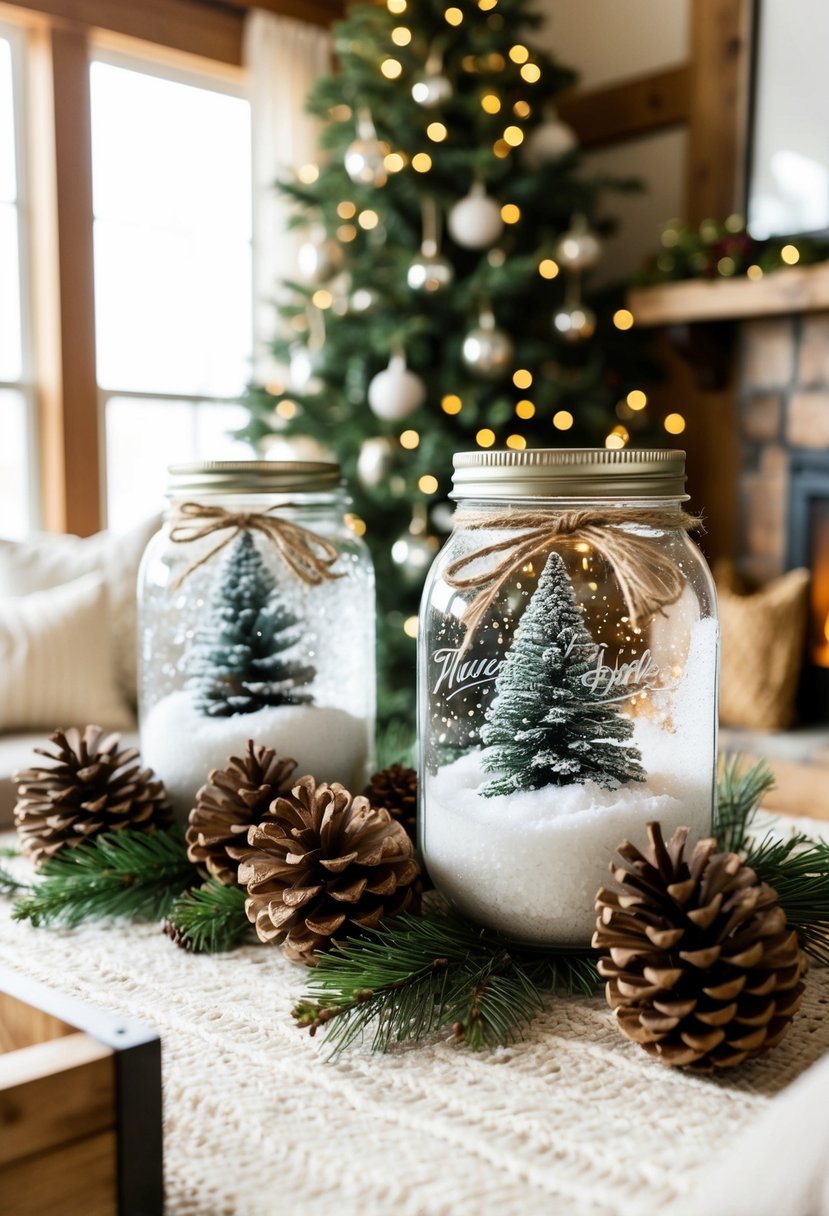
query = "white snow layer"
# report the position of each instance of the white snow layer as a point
(530, 864)
(183, 745)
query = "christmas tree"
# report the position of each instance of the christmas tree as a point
(439, 301)
(544, 725)
(240, 664)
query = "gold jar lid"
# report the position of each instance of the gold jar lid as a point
(571, 473)
(253, 477)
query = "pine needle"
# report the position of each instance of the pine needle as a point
(738, 798)
(8, 883)
(211, 917)
(798, 870)
(120, 874)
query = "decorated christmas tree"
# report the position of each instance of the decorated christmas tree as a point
(545, 726)
(241, 662)
(448, 228)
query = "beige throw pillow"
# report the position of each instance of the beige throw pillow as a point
(56, 659)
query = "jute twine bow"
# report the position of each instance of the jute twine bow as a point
(648, 578)
(309, 555)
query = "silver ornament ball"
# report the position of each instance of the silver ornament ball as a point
(365, 162)
(548, 142)
(318, 259)
(413, 555)
(431, 90)
(575, 324)
(363, 300)
(578, 248)
(487, 351)
(429, 272)
(375, 460)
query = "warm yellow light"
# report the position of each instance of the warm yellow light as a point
(519, 53)
(391, 68)
(674, 424)
(518, 442)
(486, 6)
(322, 298)
(485, 438)
(396, 6)
(394, 162)
(548, 269)
(451, 404)
(525, 409)
(421, 162)
(790, 254)
(622, 432)
(501, 148)
(623, 318)
(510, 214)
(514, 136)
(636, 399)
(287, 409)
(755, 272)
(357, 525)
(274, 387)
(346, 233)
(522, 109)
(490, 103)
(427, 484)
(531, 72)
(563, 420)
(522, 378)
(410, 626)
(437, 132)
(346, 210)
(340, 113)
(308, 174)
(726, 266)
(614, 441)
(469, 63)
(409, 439)
(453, 15)
(368, 219)
(401, 36)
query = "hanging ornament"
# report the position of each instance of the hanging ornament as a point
(578, 249)
(294, 447)
(365, 158)
(375, 460)
(432, 89)
(396, 392)
(487, 350)
(318, 257)
(548, 142)
(430, 271)
(475, 221)
(414, 551)
(363, 300)
(574, 321)
(302, 367)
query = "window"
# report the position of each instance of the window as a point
(173, 297)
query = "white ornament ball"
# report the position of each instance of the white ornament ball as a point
(365, 162)
(431, 91)
(578, 249)
(475, 221)
(575, 324)
(303, 365)
(396, 392)
(548, 142)
(430, 272)
(363, 300)
(319, 259)
(487, 351)
(375, 460)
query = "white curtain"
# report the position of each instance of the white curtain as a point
(283, 58)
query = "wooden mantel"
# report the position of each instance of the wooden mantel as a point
(790, 290)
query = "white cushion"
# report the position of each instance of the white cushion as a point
(56, 666)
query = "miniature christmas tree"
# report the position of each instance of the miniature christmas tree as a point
(239, 664)
(545, 726)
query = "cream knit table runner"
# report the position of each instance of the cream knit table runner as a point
(574, 1120)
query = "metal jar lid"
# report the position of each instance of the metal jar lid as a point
(571, 473)
(253, 477)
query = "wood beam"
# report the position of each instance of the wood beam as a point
(630, 109)
(318, 12)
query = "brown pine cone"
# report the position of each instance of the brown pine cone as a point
(91, 787)
(322, 866)
(395, 789)
(702, 971)
(178, 936)
(235, 797)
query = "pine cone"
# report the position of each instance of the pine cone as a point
(395, 790)
(178, 936)
(235, 797)
(323, 865)
(702, 971)
(92, 787)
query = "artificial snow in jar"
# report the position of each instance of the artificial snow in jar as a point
(567, 682)
(256, 621)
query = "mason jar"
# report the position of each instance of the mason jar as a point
(567, 682)
(256, 621)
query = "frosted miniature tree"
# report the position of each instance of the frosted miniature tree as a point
(241, 662)
(545, 726)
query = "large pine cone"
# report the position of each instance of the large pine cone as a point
(702, 971)
(235, 797)
(395, 789)
(322, 866)
(91, 787)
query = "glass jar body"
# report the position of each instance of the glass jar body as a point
(233, 646)
(559, 725)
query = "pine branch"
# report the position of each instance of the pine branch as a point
(738, 798)
(8, 883)
(211, 918)
(124, 874)
(798, 870)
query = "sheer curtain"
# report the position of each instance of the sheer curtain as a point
(283, 58)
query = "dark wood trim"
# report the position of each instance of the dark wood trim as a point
(318, 12)
(630, 109)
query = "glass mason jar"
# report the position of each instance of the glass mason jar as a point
(256, 621)
(567, 682)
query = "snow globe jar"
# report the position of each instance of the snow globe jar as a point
(567, 682)
(256, 621)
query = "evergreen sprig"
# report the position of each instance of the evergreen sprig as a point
(8, 882)
(129, 874)
(413, 975)
(211, 918)
(739, 791)
(798, 870)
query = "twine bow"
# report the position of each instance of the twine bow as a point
(308, 554)
(648, 579)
